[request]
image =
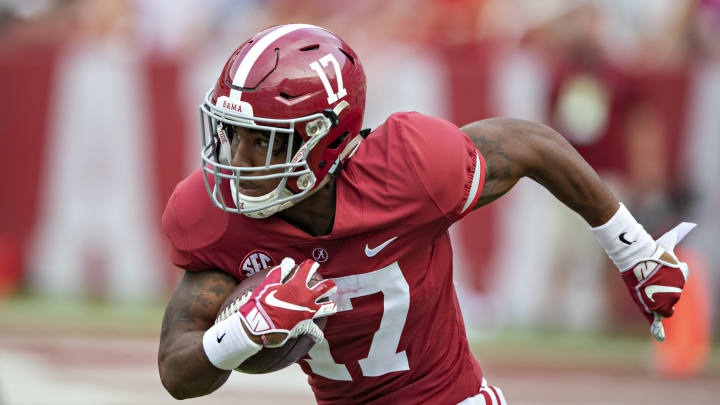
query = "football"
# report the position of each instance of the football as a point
(268, 360)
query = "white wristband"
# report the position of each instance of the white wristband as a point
(227, 345)
(625, 241)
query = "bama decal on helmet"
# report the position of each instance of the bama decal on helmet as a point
(228, 103)
(255, 261)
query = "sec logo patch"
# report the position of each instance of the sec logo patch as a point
(255, 261)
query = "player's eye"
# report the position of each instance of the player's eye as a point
(262, 143)
(279, 146)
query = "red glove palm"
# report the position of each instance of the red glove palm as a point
(656, 282)
(287, 307)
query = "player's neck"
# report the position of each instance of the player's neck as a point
(316, 214)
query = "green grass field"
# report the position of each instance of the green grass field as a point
(555, 348)
(81, 316)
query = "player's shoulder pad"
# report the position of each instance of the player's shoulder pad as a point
(190, 220)
(415, 128)
(431, 144)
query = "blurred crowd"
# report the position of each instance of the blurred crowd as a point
(99, 121)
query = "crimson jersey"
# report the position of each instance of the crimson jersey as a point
(398, 336)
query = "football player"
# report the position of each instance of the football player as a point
(288, 172)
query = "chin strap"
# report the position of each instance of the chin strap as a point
(348, 152)
(265, 212)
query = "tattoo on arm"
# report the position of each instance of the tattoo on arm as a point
(184, 368)
(196, 300)
(515, 148)
(500, 168)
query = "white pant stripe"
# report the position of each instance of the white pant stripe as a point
(493, 398)
(495, 394)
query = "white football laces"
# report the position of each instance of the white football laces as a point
(234, 306)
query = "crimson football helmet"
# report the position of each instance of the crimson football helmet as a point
(299, 83)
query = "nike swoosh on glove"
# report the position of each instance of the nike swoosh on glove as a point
(656, 282)
(280, 309)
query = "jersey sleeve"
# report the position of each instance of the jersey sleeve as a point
(445, 162)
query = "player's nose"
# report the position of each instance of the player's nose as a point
(242, 152)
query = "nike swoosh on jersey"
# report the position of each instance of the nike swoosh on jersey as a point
(271, 300)
(654, 289)
(372, 252)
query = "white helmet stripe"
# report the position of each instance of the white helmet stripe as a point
(257, 49)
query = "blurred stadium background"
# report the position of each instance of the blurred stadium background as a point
(98, 121)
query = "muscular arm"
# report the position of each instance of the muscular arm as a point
(185, 371)
(514, 148)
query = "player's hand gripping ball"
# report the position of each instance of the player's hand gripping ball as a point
(287, 307)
